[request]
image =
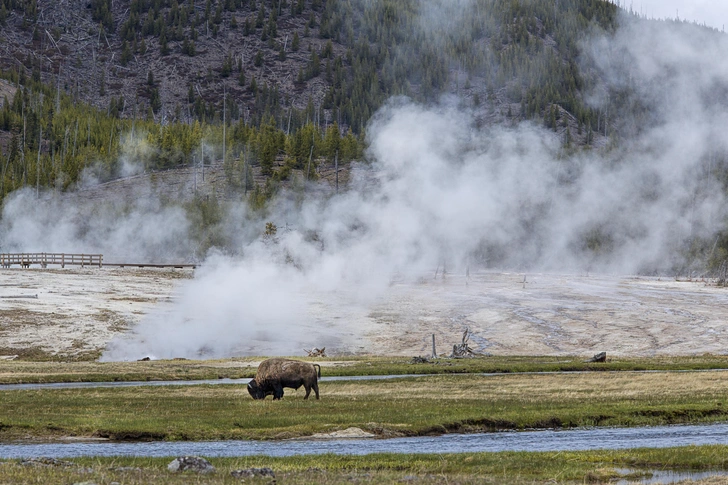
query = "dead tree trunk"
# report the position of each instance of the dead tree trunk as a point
(462, 349)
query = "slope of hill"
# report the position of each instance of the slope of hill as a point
(326, 61)
(99, 57)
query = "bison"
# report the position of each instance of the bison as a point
(275, 374)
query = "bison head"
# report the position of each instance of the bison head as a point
(255, 391)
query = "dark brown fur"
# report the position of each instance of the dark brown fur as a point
(275, 374)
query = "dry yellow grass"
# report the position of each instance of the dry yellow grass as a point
(537, 387)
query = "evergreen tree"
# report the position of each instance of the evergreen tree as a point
(126, 54)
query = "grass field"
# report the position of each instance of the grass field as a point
(468, 468)
(398, 407)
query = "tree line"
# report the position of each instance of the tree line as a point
(54, 140)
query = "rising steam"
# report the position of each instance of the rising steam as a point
(439, 191)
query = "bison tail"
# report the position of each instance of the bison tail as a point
(319, 369)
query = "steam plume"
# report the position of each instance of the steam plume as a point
(440, 191)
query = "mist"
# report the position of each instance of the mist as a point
(141, 231)
(437, 192)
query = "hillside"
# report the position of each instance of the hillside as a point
(103, 56)
(560, 121)
(326, 61)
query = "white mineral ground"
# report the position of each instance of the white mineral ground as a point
(81, 310)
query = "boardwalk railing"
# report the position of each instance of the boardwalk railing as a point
(44, 259)
(63, 259)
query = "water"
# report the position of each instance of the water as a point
(244, 381)
(667, 476)
(545, 440)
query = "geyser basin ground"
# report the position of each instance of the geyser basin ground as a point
(78, 311)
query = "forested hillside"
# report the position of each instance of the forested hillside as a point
(329, 60)
(280, 73)
(94, 90)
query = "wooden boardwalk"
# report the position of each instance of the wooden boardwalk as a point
(24, 260)
(150, 265)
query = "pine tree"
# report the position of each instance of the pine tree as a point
(126, 54)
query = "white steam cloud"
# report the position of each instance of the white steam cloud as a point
(145, 230)
(440, 191)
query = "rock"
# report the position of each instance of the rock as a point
(253, 472)
(190, 463)
(600, 357)
(45, 462)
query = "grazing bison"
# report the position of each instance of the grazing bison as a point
(275, 374)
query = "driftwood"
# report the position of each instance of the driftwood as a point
(462, 349)
(600, 357)
(420, 360)
(316, 352)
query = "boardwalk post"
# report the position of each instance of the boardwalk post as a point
(101, 257)
(63, 260)
(82, 258)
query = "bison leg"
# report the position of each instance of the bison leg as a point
(278, 392)
(315, 389)
(308, 390)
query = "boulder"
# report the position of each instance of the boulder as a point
(190, 463)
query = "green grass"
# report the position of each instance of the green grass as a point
(12, 372)
(465, 468)
(399, 407)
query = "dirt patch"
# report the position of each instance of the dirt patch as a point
(77, 310)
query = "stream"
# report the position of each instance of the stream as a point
(242, 382)
(541, 440)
